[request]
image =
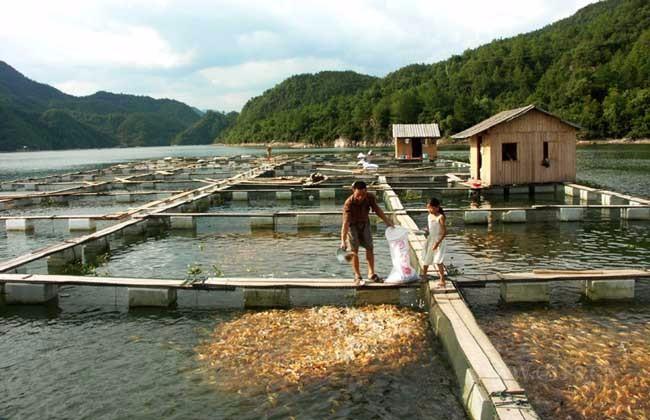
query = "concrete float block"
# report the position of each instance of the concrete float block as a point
(123, 198)
(409, 296)
(612, 200)
(327, 194)
(641, 213)
(377, 296)
(202, 204)
(283, 195)
(394, 204)
(544, 189)
(148, 185)
(588, 195)
(19, 225)
(305, 297)
(308, 221)
(240, 196)
(262, 222)
(30, 186)
(478, 403)
(520, 189)
(524, 292)
(81, 224)
(28, 294)
(90, 251)
(57, 262)
(210, 299)
(570, 191)
(151, 297)
(477, 217)
(596, 290)
(134, 231)
(183, 222)
(266, 298)
(571, 214)
(514, 216)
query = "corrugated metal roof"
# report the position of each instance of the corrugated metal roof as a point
(502, 117)
(416, 130)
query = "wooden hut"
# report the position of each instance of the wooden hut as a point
(415, 141)
(522, 146)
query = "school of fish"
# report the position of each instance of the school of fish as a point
(283, 350)
(577, 363)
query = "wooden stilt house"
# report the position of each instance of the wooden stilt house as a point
(522, 146)
(416, 141)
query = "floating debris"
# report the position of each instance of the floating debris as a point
(288, 349)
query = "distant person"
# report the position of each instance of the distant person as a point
(355, 229)
(269, 152)
(435, 248)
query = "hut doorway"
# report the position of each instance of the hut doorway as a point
(479, 159)
(417, 148)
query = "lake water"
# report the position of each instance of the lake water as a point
(623, 168)
(90, 361)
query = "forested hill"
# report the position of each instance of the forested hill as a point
(205, 130)
(592, 68)
(38, 116)
(303, 107)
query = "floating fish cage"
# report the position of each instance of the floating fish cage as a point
(250, 233)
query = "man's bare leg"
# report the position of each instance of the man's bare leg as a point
(370, 257)
(355, 264)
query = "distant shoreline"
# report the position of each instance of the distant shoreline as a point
(444, 142)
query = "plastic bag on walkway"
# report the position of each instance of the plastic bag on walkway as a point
(398, 243)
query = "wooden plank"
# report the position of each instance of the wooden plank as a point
(319, 283)
(553, 275)
(90, 281)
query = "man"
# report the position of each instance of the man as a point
(356, 228)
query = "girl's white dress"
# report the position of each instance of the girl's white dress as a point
(435, 232)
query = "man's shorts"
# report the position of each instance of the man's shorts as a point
(359, 235)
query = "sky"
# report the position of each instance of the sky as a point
(218, 54)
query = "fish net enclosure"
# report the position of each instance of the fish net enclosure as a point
(282, 350)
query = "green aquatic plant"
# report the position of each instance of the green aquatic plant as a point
(216, 270)
(453, 270)
(411, 195)
(78, 268)
(194, 270)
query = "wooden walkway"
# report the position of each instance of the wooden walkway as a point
(210, 283)
(543, 276)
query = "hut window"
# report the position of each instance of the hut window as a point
(509, 151)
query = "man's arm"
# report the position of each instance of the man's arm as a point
(345, 224)
(379, 212)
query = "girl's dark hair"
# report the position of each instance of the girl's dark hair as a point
(434, 202)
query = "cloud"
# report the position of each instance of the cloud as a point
(267, 73)
(78, 87)
(218, 53)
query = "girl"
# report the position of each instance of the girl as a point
(435, 248)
